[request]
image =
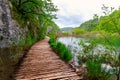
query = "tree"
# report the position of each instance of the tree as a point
(33, 14)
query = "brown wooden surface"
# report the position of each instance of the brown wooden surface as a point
(42, 63)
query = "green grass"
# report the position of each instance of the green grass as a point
(66, 55)
(96, 72)
(61, 49)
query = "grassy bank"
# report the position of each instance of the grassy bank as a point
(61, 49)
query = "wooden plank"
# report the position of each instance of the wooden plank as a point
(41, 63)
(53, 76)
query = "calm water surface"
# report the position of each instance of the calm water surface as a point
(74, 45)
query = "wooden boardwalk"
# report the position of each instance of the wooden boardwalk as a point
(41, 63)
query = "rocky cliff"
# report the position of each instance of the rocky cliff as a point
(10, 31)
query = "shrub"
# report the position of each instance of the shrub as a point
(52, 40)
(94, 62)
(42, 36)
(61, 49)
(66, 55)
(53, 45)
(96, 71)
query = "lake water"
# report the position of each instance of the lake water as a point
(76, 48)
(74, 45)
(103, 52)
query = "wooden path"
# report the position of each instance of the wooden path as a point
(41, 63)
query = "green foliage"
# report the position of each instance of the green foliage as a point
(52, 40)
(61, 49)
(42, 36)
(66, 33)
(87, 52)
(107, 32)
(52, 43)
(94, 61)
(109, 39)
(109, 28)
(96, 72)
(89, 25)
(77, 31)
(94, 69)
(35, 15)
(33, 11)
(110, 23)
(66, 55)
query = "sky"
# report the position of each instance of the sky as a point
(74, 12)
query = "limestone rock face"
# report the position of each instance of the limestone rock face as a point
(10, 31)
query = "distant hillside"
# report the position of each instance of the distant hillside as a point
(89, 25)
(67, 29)
(109, 23)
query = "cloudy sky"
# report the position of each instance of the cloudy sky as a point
(74, 12)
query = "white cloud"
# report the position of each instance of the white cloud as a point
(75, 11)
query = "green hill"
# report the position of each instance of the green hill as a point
(107, 23)
(89, 25)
